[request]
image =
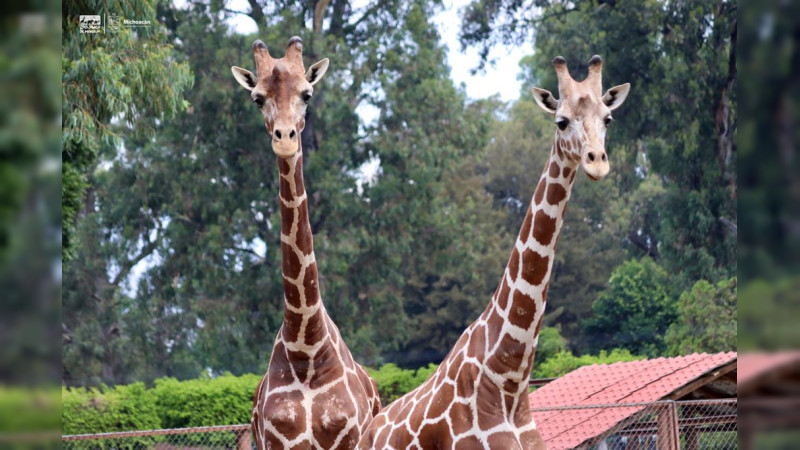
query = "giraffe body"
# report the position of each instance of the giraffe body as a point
(314, 395)
(478, 396)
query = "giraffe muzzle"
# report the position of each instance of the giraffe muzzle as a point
(595, 164)
(285, 142)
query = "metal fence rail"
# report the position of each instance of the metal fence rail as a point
(215, 437)
(667, 425)
(664, 425)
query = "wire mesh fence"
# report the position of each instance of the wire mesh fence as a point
(666, 425)
(219, 437)
(691, 425)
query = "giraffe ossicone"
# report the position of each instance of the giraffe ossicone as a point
(478, 396)
(314, 395)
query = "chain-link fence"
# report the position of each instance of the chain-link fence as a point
(691, 425)
(667, 425)
(220, 437)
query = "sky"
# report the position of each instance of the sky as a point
(500, 79)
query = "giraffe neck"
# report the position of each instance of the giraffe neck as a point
(303, 313)
(515, 313)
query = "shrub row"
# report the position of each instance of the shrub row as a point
(228, 399)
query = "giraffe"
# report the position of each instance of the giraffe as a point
(314, 395)
(478, 396)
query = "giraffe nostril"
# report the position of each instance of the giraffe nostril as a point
(278, 134)
(591, 156)
(292, 135)
(604, 157)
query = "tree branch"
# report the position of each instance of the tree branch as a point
(146, 251)
(256, 13)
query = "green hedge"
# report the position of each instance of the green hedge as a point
(29, 409)
(564, 362)
(121, 408)
(205, 401)
(225, 400)
(228, 399)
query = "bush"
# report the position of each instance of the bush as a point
(393, 382)
(226, 400)
(23, 409)
(121, 408)
(551, 343)
(564, 362)
(706, 319)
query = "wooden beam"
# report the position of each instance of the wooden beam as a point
(702, 381)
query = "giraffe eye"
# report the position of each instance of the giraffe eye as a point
(562, 123)
(608, 120)
(259, 101)
(306, 96)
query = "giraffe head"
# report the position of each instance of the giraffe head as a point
(582, 113)
(281, 91)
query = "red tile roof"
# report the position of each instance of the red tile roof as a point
(602, 384)
(753, 367)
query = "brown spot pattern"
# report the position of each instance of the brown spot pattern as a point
(502, 296)
(291, 263)
(534, 267)
(526, 225)
(522, 310)
(539, 194)
(556, 193)
(554, 169)
(461, 417)
(513, 264)
(545, 228)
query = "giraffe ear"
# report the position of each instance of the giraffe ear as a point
(614, 97)
(545, 100)
(316, 71)
(244, 77)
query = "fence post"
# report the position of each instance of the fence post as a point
(668, 433)
(243, 441)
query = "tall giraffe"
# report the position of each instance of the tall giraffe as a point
(314, 395)
(478, 397)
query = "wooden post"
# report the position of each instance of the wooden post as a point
(243, 440)
(668, 432)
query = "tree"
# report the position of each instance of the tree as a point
(431, 228)
(634, 312)
(706, 319)
(672, 145)
(112, 81)
(186, 264)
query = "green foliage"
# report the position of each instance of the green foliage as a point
(706, 319)
(564, 362)
(394, 382)
(205, 401)
(768, 311)
(182, 273)
(127, 76)
(551, 343)
(225, 400)
(27, 409)
(634, 312)
(673, 157)
(121, 408)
